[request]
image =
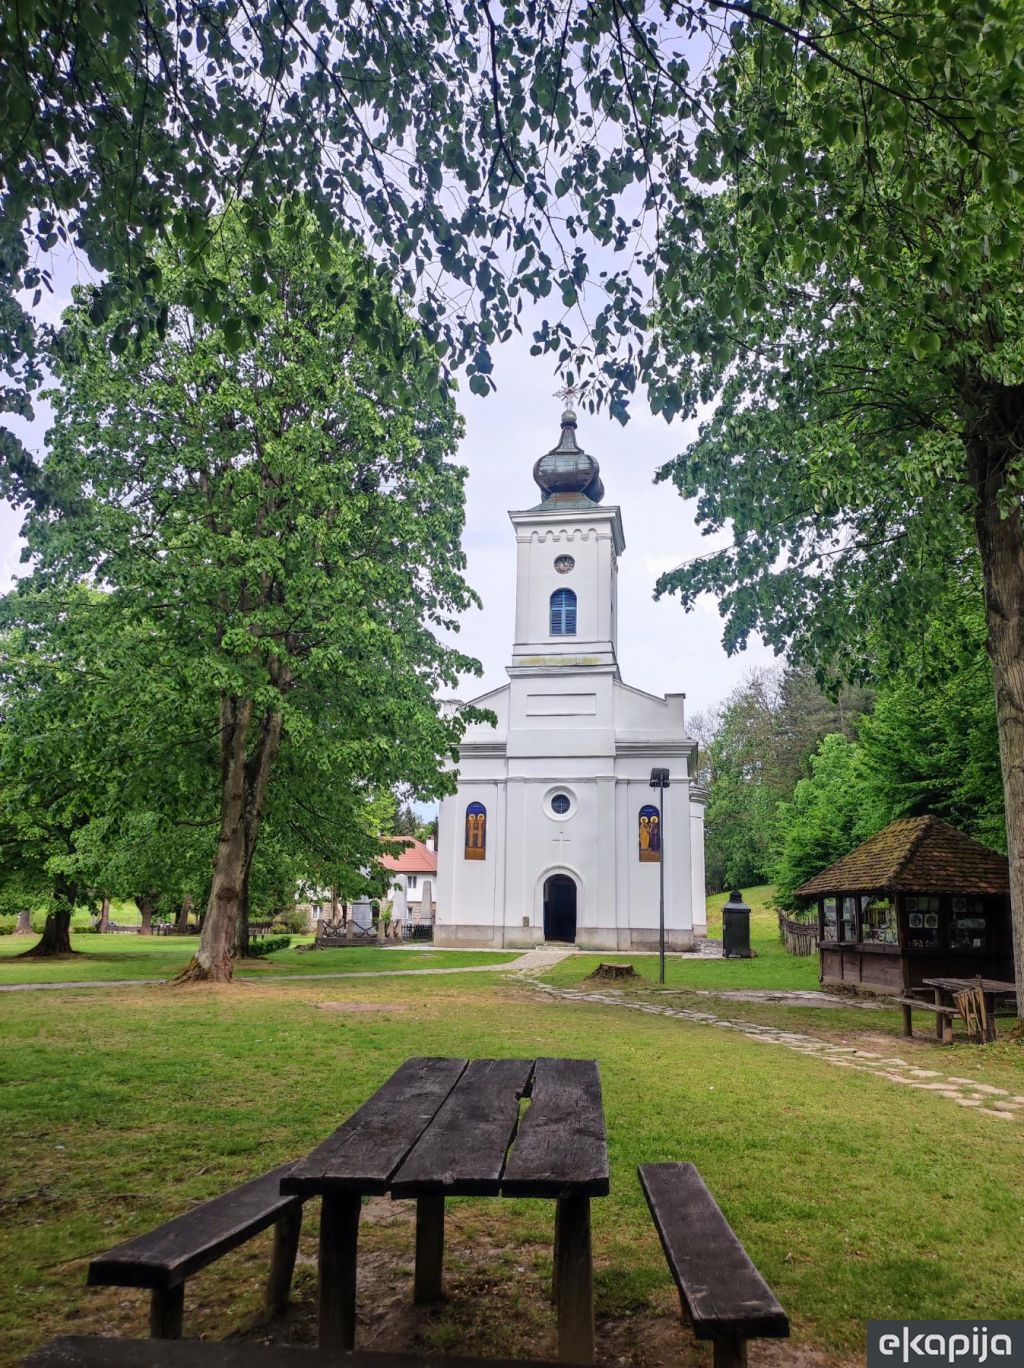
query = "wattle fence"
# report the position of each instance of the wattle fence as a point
(799, 937)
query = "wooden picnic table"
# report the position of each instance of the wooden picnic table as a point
(456, 1128)
(945, 988)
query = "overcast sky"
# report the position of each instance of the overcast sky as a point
(661, 648)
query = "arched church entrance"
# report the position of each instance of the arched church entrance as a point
(560, 908)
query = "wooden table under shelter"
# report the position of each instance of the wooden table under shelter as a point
(457, 1128)
(945, 989)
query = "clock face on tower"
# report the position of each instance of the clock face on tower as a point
(563, 564)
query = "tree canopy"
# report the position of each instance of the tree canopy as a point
(851, 299)
(277, 520)
(543, 152)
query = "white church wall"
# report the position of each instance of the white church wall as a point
(567, 724)
(638, 714)
(472, 886)
(497, 702)
(642, 881)
(590, 538)
(698, 878)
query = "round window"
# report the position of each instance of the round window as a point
(563, 564)
(560, 803)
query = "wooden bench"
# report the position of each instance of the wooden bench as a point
(95, 1351)
(908, 1005)
(164, 1258)
(727, 1300)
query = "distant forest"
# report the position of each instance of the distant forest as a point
(798, 778)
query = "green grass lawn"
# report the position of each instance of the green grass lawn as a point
(160, 957)
(771, 967)
(856, 1199)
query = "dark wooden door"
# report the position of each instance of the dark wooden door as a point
(560, 908)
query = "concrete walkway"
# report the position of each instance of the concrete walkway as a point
(537, 959)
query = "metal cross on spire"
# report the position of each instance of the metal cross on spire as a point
(567, 393)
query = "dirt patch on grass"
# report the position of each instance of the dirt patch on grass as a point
(362, 1007)
(497, 1299)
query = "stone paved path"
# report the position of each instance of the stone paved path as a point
(983, 1098)
(792, 997)
(540, 958)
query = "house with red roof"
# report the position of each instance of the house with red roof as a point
(415, 879)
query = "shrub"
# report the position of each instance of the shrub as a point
(266, 945)
(293, 920)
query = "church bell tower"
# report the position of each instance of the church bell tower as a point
(568, 547)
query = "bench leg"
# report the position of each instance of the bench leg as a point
(339, 1239)
(906, 1010)
(282, 1262)
(556, 1253)
(574, 1280)
(167, 1312)
(730, 1353)
(429, 1282)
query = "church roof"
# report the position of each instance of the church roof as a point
(914, 855)
(567, 473)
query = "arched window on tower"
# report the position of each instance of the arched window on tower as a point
(563, 613)
(476, 832)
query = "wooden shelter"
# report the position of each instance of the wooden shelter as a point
(918, 900)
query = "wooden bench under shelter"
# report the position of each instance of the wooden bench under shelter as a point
(974, 999)
(96, 1351)
(453, 1128)
(725, 1297)
(944, 1016)
(163, 1259)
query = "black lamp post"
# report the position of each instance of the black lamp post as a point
(660, 781)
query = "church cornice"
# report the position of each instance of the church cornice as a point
(654, 747)
(556, 520)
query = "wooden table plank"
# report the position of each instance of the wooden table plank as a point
(561, 1147)
(462, 1152)
(363, 1154)
(720, 1286)
(957, 985)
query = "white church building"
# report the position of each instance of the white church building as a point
(555, 833)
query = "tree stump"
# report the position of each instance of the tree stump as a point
(612, 973)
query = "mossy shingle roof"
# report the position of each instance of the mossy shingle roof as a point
(914, 855)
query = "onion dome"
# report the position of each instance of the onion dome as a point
(566, 471)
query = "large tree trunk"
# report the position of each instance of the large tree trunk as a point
(24, 927)
(56, 937)
(244, 781)
(104, 922)
(146, 907)
(1001, 544)
(184, 912)
(242, 920)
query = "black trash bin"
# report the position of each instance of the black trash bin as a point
(736, 927)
